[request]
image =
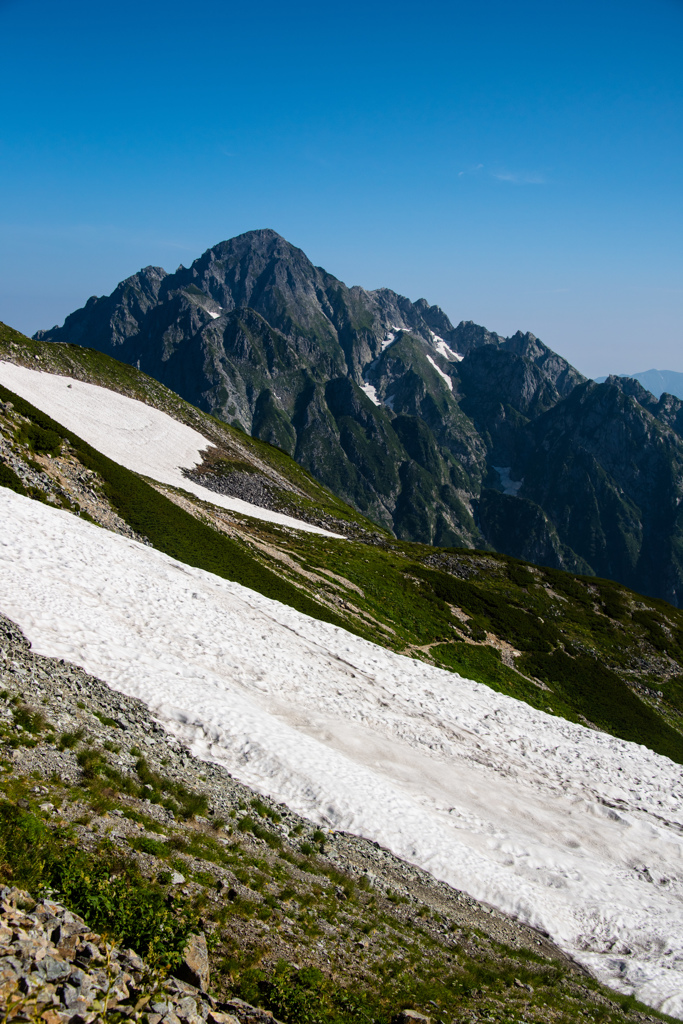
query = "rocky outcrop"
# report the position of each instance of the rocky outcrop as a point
(54, 968)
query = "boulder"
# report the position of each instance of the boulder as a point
(195, 965)
(411, 1017)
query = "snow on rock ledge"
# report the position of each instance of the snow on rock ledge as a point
(569, 829)
(444, 376)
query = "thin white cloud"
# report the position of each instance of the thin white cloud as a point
(515, 178)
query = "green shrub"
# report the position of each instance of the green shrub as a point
(155, 847)
(612, 597)
(69, 739)
(29, 719)
(189, 803)
(90, 762)
(520, 627)
(650, 621)
(673, 691)
(569, 586)
(307, 996)
(109, 892)
(520, 575)
(42, 439)
(105, 720)
(8, 478)
(264, 810)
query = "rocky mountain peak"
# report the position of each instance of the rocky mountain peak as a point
(421, 425)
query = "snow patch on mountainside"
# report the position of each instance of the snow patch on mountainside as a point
(509, 485)
(371, 392)
(567, 828)
(131, 433)
(445, 350)
(440, 372)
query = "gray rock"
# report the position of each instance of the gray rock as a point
(411, 1017)
(160, 1006)
(53, 969)
(186, 1007)
(195, 965)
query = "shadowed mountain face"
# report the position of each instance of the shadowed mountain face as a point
(445, 435)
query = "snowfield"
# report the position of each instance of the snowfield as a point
(569, 829)
(131, 433)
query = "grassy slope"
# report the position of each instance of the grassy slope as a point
(587, 641)
(462, 971)
(580, 646)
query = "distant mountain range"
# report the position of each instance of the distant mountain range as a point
(658, 382)
(447, 435)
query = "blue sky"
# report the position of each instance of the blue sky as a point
(520, 164)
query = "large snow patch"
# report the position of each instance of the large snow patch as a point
(131, 433)
(569, 829)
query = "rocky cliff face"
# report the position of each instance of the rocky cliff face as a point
(445, 435)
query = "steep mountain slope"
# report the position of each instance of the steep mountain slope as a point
(234, 464)
(492, 796)
(604, 446)
(132, 434)
(436, 433)
(298, 920)
(256, 334)
(322, 718)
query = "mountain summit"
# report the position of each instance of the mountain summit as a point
(450, 435)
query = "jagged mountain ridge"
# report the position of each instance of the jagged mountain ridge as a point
(445, 435)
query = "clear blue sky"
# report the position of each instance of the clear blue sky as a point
(518, 163)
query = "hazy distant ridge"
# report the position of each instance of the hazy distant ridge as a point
(658, 382)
